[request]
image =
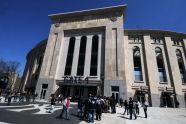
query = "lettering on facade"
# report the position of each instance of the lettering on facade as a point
(87, 21)
(77, 79)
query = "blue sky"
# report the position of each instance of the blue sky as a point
(23, 23)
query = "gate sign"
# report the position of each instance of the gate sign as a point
(77, 79)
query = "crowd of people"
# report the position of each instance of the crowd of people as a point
(92, 107)
(17, 97)
(132, 107)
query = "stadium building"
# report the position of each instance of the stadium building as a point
(90, 52)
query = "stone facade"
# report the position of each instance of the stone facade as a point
(142, 64)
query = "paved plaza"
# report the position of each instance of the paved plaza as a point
(37, 113)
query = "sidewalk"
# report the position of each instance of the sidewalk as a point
(156, 115)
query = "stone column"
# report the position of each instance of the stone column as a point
(99, 55)
(76, 56)
(50, 62)
(88, 56)
(152, 71)
(47, 61)
(114, 58)
(110, 49)
(62, 58)
(184, 52)
(129, 66)
(175, 73)
(184, 46)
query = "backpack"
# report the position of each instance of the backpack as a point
(131, 106)
(99, 103)
(93, 103)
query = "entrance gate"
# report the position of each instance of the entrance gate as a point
(166, 100)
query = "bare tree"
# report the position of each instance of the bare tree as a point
(9, 71)
(12, 72)
(3, 66)
(13, 66)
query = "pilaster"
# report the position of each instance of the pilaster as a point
(76, 56)
(151, 67)
(175, 73)
(88, 56)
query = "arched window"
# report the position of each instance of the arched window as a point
(137, 64)
(94, 56)
(160, 64)
(70, 54)
(181, 65)
(82, 51)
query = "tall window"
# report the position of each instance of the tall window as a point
(181, 66)
(94, 56)
(137, 64)
(160, 64)
(82, 51)
(70, 54)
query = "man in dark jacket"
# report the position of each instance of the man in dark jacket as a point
(91, 108)
(99, 106)
(131, 108)
(126, 107)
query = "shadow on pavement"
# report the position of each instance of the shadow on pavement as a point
(28, 116)
(124, 117)
(140, 116)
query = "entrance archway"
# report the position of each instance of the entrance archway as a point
(166, 100)
(140, 96)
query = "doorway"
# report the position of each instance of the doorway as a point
(92, 90)
(115, 93)
(140, 96)
(166, 100)
(43, 91)
(78, 91)
(116, 96)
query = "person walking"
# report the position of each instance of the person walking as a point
(91, 108)
(52, 104)
(80, 108)
(145, 105)
(131, 108)
(86, 109)
(137, 104)
(121, 102)
(66, 106)
(126, 105)
(34, 97)
(113, 104)
(9, 99)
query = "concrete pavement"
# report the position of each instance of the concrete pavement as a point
(26, 114)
